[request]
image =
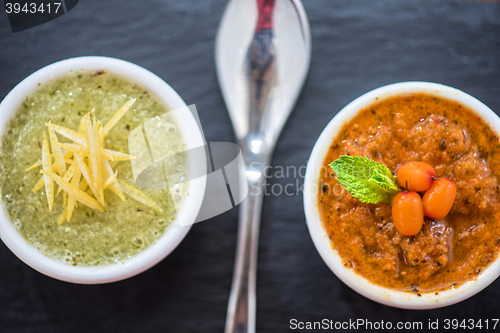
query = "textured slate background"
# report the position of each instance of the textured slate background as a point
(357, 46)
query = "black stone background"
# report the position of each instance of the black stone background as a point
(358, 45)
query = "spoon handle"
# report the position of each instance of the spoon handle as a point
(242, 302)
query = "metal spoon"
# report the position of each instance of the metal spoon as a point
(262, 54)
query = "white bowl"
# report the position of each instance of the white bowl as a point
(173, 236)
(372, 291)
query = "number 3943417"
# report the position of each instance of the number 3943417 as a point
(32, 8)
(471, 324)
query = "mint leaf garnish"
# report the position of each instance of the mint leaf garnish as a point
(367, 180)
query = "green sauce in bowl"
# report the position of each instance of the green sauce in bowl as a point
(125, 228)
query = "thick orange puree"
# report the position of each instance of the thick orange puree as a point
(460, 146)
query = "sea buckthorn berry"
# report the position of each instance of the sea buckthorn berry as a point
(439, 199)
(408, 213)
(416, 176)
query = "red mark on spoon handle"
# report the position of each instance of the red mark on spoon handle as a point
(265, 9)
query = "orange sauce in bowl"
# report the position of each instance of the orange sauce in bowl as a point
(461, 146)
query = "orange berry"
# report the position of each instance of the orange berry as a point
(439, 199)
(416, 176)
(408, 213)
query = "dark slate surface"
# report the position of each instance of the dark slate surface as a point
(357, 46)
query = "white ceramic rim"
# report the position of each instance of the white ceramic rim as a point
(361, 285)
(173, 236)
